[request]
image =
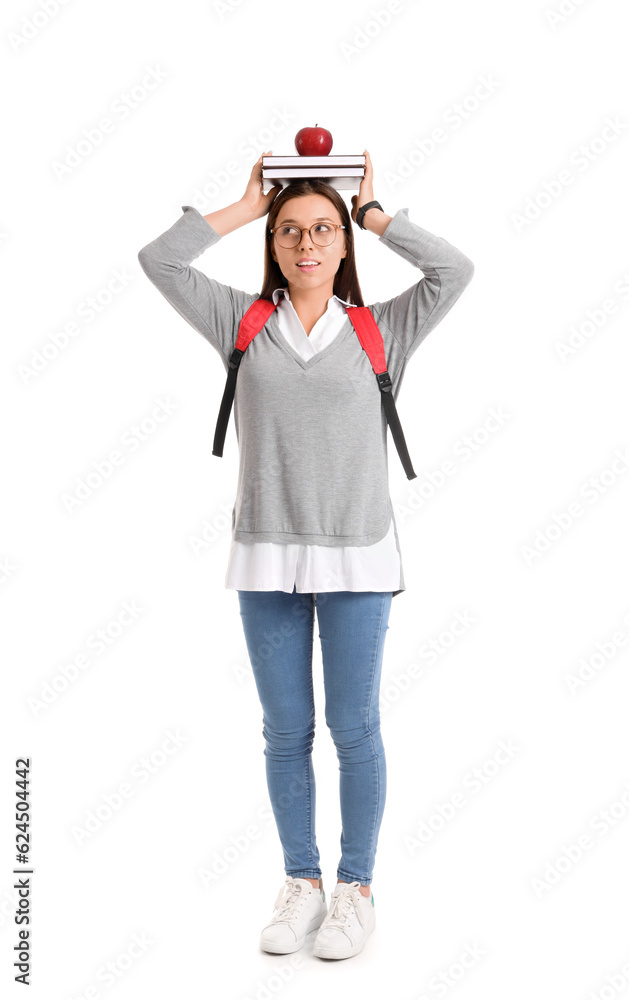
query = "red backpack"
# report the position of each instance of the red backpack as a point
(371, 339)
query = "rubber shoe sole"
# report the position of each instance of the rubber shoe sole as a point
(334, 943)
(286, 949)
(279, 937)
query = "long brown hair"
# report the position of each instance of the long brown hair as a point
(346, 284)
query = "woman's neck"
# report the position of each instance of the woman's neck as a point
(310, 304)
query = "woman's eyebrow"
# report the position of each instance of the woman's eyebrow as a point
(322, 218)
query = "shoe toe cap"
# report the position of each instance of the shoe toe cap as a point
(333, 939)
(277, 935)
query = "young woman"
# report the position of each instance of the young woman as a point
(313, 529)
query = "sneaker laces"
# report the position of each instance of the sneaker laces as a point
(288, 899)
(341, 908)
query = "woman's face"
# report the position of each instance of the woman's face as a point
(309, 210)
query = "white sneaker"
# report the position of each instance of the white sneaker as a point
(299, 909)
(350, 920)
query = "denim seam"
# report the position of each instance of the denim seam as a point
(341, 872)
(368, 724)
(311, 818)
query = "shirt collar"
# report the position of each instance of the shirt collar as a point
(277, 293)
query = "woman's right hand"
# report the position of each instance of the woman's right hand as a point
(256, 201)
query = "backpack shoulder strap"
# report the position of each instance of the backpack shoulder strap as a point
(370, 337)
(251, 323)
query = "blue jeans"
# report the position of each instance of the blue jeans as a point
(278, 631)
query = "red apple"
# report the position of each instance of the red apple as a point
(313, 141)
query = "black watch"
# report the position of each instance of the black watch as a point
(363, 209)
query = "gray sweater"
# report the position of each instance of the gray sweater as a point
(312, 435)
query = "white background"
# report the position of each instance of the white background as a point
(546, 590)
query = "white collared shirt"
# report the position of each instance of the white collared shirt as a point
(313, 568)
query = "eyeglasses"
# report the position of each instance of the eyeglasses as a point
(290, 236)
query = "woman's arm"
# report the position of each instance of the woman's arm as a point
(206, 304)
(254, 204)
(405, 320)
(225, 220)
(408, 318)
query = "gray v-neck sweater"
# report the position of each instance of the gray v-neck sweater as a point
(312, 435)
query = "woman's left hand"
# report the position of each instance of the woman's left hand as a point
(365, 191)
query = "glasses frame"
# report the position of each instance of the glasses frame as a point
(302, 231)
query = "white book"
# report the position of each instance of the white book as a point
(313, 171)
(338, 160)
(351, 183)
(343, 172)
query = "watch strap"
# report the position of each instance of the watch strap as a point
(361, 211)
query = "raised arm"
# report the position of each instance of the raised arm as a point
(406, 319)
(206, 304)
(410, 316)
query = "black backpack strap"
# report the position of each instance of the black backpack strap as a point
(371, 339)
(251, 323)
(393, 420)
(226, 403)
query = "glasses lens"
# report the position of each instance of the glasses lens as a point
(287, 236)
(322, 235)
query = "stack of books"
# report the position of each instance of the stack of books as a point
(341, 172)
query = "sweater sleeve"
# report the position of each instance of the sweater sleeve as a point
(207, 305)
(409, 317)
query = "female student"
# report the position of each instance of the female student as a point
(313, 528)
